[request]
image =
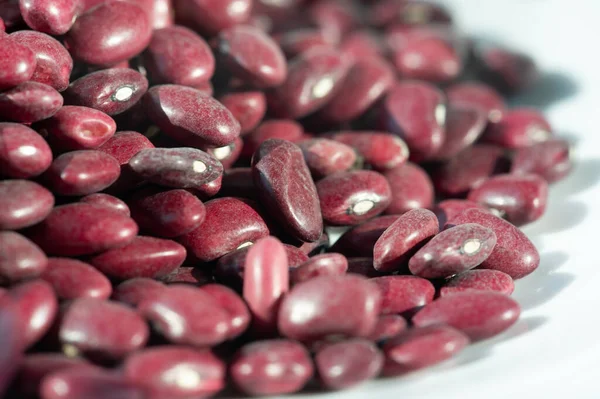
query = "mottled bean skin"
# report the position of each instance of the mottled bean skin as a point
(330, 264)
(72, 279)
(325, 157)
(17, 65)
(54, 17)
(29, 102)
(135, 290)
(381, 150)
(481, 279)
(23, 152)
(23, 203)
(402, 294)
(411, 187)
(108, 201)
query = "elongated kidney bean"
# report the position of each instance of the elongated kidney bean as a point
(514, 254)
(17, 65)
(463, 128)
(72, 279)
(135, 290)
(381, 150)
(409, 232)
(54, 17)
(20, 258)
(88, 383)
(211, 17)
(124, 145)
(330, 264)
(248, 107)
(175, 372)
(103, 328)
(402, 294)
(108, 201)
(190, 117)
(23, 203)
(549, 159)
(453, 251)
(233, 304)
(388, 326)
(359, 240)
(478, 314)
(187, 315)
(286, 188)
(250, 369)
(330, 299)
(521, 127)
(520, 199)
(483, 279)
(448, 209)
(325, 157)
(82, 229)
(411, 187)
(422, 347)
(29, 102)
(345, 364)
(284, 129)
(23, 152)
(477, 95)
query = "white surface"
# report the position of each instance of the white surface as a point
(554, 350)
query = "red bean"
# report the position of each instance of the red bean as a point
(549, 159)
(450, 208)
(405, 235)
(136, 290)
(11, 339)
(228, 154)
(402, 294)
(381, 150)
(211, 17)
(330, 264)
(521, 127)
(286, 188)
(479, 96)
(362, 44)
(234, 305)
(388, 326)
(463, 128)
(411, 187)
(107, 201)
(363, 266)
(29, 102)
(23, 152)
(330, 305)
(54, 17)
(248, 107)
(252, 365)
(124, 145)
(72, 279)
(509, 71)
(345, 364)
(325, 157)
(335, 17)
(284, 129)
(82, 229)
(23, 203)
(175, 372)
(20, 259)
(298, 41)
(101, 327)
(17, 65)
(359, 240)
(409, 13)
(484, 279)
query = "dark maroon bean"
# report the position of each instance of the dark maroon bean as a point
(450, 208)
(340, 305)
(483, 279)
(402, 294)
(520, 199)
(416, 112)
(136, 290)
(286, 188)
(23, 203)
(23, 152)
(295, 256)
(228, 154)
(72, 279)
(316, 247)
(37, 306)
(167, 214)
(388, 326)
(188, 275)
(211, 17)
(238, 182)
(325, 157)
(251, 55)
(100, 327)
(17, 63)
(190, 117)
(180, 56)
(478, 314)
(409, 13)
(248, 107)
(549, 159)
(266, 280)
(29, 102)
(111, 91)
(509, 71)
(469, 169)
(233, 304)
(313, 78)
(520, 127)
(381, 150)
(175, 372)
(330, 264)
(348, 198)
(229, 224)
(107, 201)
(124, 145)
(82, 172)
(359, 240)
(422, 347)
(82, 229)
(363, 266)
(11, 339)
(479, 96)
(176, 167)
(112, 32)
(11, 14)
(411, 187)
(453, 251)
(54, 17)
(251, 369)
(405, 235)
(284, 129)
(463, 128)
(346, 364)
(187, 315)
(88, 383)
(20, 259)
(297, 41)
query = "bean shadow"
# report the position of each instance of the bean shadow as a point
(562, 214)
(550, 88)
(524, 326)
(585, 174)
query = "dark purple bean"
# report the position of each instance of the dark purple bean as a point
(29, 102)
(136, 290)
(23, 203)
(363, 266)
(124, 145)
(411, 188)
(381, 150)
(20, 259)
(37, 306)
(549, 159)
(72, 279)
(463, 127)
(330, 264)
(359, 240)
(11, 340)
(402, 294)
(248, 107)
(483, 279)
(520, 127)
(325, 157)
(17, 63)
(450, 208)
(54, 17)
(23, 152)
(107, 201)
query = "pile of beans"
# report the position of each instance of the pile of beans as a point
(172, 172)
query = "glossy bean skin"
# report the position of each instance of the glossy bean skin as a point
(464, 126)
(481, 279)
(190, 117)
(388, 326)
(179, 56)
(88, 383)
(233, 304)
(82, 229)
(422, 347)
(549, 159)
(109, 33)
(108, 201)
(211, 17)
(448, 209)
(112, 91)
(162, 14)
(82, 172)
(23, 152)
(250, 367)
(478, 314)
(103, 328)
(411, 187)
(325, 157)
(72, 279)
(251, 55)
(29, 102)
(358, 241)
(348, 198)
(53, 62)
(18, 64)
(23, 203)
(404, 294)
(381, 150)
(20, 258)
(284, 129)
(54, 17)
(405, 235)
(330, 264)
(521, 199)
(345, 364)
(332, 297)
(229, 223)
(248, 107)
(478, 96)
(286, 188)
(521, 127)
(153, 369)
(124, 145)
(135, 290)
